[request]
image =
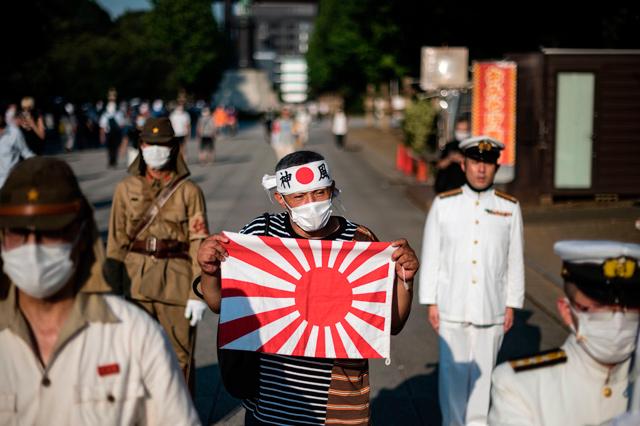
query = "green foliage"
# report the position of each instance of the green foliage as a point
(418, 125)
(352, 45)
(186, 32)
(75, 50)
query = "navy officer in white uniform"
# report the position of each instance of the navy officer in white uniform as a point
(472, 280)
(587, 381)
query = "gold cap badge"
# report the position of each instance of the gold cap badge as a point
(154, 130)
(484, 146)
(33, 195)
(619, 268)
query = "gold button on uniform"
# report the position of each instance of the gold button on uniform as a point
(473, 281)
(477, 222)
(477, 203)
(475, 241)
(474, 262)
(607, 391)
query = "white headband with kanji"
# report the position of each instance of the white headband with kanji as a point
(304, 178)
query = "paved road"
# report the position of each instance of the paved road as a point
(404, 392)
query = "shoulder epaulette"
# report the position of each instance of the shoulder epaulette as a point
(507, 196)
(542, 359)
(450, 193)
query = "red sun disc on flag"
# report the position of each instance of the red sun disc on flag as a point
(325, 299)
(304, 175)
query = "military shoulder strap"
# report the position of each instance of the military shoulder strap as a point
(155, 208)
(450, 193)
(506, 196)
(542, 359)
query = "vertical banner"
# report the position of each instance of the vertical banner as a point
(494, 105)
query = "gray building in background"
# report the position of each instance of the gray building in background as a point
(270, 37)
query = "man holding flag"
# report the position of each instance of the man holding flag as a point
(333, 302)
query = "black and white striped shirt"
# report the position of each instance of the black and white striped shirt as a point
(292, 390)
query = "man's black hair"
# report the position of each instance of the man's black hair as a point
(298, 158)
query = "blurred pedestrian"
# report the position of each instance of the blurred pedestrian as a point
(472, 279)
(220, 119)
(206, 132)
(181, 123)
(232, 120)
(133, 141)
(587, 380)
(269, 118)
(339, 127)
(325, 391)
(13, 147)
(283, 134)
(157, 109)
(10, 115)
(69, 124)
(450, 175)
(31, 123)
(70, 354)
(158, 219)
(302, 121)
(111, 123)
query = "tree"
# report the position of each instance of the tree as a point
(352, 45)
(185, 32)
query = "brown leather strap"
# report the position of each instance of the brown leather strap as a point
(40, 209)
(164, 254)
(154, 245)
(154, 208)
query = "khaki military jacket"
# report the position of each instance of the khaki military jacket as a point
(182, 218)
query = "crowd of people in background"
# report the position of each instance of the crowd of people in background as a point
(115, 125)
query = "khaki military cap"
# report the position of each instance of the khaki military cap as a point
(157, 131)
(41, 193)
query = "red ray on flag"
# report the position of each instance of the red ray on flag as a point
(316, 298)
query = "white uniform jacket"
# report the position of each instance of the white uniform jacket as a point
(472, 256)
(578, 391)
(112, 365)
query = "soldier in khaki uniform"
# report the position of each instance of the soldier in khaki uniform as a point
(158, 220)
(70, 354)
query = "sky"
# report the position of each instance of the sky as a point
(118, 7)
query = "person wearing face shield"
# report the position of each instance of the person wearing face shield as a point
(158, 220)
(586, 381)
(70, 353)
(305, 191)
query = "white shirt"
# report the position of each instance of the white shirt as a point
(181, 123)
(566, 394)
(12, 147)
(472, 264)
(339, 126)
(112, 365)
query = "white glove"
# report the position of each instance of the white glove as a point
(194, 311)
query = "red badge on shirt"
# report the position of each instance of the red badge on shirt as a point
(108, 369)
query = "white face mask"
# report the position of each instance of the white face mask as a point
(40, 270)
(311, 216)
(156, 156)
(609, 337)
(460, 135)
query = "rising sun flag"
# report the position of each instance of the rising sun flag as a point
(315, 298)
